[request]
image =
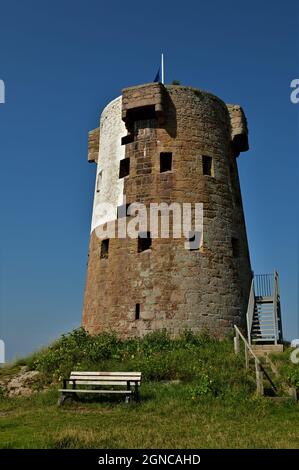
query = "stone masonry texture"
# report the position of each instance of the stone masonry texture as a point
(93, 145)
(202, 290)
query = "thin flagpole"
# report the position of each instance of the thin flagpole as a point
(162, 67)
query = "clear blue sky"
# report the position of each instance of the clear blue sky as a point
(62, 61)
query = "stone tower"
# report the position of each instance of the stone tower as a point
(168, 144)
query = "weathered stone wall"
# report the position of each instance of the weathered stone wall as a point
(239, 131)
(176, 288)
(93, 145)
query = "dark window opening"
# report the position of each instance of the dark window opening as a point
(207, 165)
(144, 241)
(105, 248)
(123, 211)
(124, 167)
(137, 312)
(127, 139)
(142, 113)
(165, 161)
(235, 247)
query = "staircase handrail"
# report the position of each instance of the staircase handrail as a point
(260, 370)
(250, 311)
(275, 305)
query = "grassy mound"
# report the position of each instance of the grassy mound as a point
(195, 393)
(209, 365)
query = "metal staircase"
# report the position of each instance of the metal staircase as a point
(264, 324)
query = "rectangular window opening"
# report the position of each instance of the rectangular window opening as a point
(165, 161)
(105, 248)
(144, 241)
(137, 312)
(127, 139)
(235, 247)
(207, 165)
(142, 113)
(124, 167)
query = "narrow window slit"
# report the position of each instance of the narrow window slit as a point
(137, 312)
(105, 248)
(207, 165)
(165, 161)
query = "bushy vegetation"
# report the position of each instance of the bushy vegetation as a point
(209, 365)
(288, 370)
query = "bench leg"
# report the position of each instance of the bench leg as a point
(63, 397)
(128, 399)
(136, 394)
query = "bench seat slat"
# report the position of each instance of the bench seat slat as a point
(69, 390)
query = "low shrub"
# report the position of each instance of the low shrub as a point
(205, 386)
(292, 375)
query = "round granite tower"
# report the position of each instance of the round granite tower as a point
(168, 144)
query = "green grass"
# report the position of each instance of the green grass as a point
(212, 406)
(166, 418)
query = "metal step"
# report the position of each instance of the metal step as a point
(263, 340)
(264, 309)
(263, 328)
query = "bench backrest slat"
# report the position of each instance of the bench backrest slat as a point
(106, 373)
(105, 378)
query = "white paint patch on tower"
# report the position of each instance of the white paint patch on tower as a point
(109, 188)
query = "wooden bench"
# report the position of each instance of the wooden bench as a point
(114, 383)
